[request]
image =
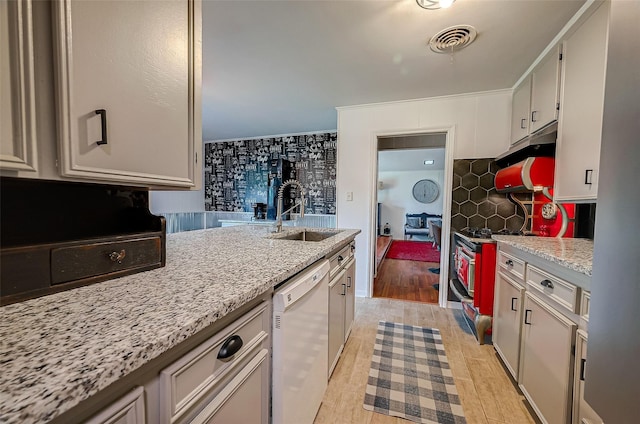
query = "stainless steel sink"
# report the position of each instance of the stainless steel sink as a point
(307, 236)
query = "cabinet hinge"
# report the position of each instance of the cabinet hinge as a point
(197, 154)
(558, 106)
(560, 56)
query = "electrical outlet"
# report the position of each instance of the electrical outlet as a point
(349, 196)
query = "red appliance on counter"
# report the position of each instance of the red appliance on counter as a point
(473, 263)
(535, 175)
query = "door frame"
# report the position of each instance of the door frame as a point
(446, 205)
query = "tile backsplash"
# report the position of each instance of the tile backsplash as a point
(475, 201)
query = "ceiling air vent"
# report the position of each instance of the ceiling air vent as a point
(452, 39)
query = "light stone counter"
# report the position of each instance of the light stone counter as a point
(58, 350)
(574, 254)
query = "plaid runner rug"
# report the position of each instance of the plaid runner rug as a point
(410, 376)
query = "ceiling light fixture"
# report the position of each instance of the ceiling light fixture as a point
(434, 4)
(428, 162)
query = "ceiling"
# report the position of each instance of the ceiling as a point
(410, 160)
(281, 67)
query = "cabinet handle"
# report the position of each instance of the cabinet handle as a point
(513, 299)
(533, 116)
(526, 316)
(340, 258)
(103, 120)
(546, 283)
(583, 361)
(349, 282)
(230, 347)
(117, 256)
(588, 176)
(522, 123)
(344, 289)
(353, 247)
(509, 262)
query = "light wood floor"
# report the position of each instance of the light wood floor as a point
(487, 394)
(406, 280)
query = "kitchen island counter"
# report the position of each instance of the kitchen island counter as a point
(574, 254)
(59, 350)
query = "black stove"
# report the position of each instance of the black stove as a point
(486, 233)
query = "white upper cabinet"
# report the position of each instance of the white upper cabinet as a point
(545, 91)
(535, 100)
(128, 77)
(580, 122)
(17, 97)
(520, 111)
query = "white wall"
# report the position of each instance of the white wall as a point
(481, 123)
(397, 199)
(178, 201)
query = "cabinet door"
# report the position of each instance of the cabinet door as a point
(545, 85)
(507, 321)
(520, 111)
(337, 299)
(127, 410)
(546, 364)
(350, 298)
(244, 399)
(582, 411)
(138, 62)
(17, 95)
(582, 103)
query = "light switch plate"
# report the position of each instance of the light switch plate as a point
(349, 196)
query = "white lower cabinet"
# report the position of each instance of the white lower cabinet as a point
(127, 410)
(337, 304)
(582, 411)
(546, 360)
(350, 299)
(507, 317)
(208, 384)
(342, 298)
(230, 405)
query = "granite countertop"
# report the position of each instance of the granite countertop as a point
(575, 254)
(58, 350)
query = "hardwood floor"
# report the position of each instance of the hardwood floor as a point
(487, 394)
(406, 280)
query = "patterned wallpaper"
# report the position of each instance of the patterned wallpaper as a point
(236, 172)
(475, 201)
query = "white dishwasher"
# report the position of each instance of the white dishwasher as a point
(300, 343)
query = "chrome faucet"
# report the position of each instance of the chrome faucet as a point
(280, 212)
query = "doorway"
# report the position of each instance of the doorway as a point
(408, 259)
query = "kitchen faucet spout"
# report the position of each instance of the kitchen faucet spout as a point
(280, 212)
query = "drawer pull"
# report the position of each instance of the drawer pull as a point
(344, 289)
(583, 361)
(526, 316)
(523, 126)
(546, 283)
(513, 299)
(230, 347)
(103, 126)
(340, 258)
(509, 262)
(117, 256)
(349, 282)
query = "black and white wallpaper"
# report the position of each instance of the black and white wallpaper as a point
(237, 172)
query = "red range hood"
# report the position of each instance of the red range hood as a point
(529, 175)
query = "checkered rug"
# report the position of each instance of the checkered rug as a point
(410, 376)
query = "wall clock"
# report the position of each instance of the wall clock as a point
(426, 191)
